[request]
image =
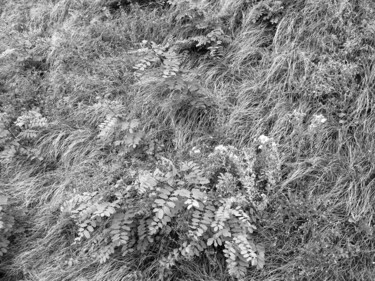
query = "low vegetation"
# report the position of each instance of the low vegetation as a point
(187, 140)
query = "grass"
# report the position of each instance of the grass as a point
(73, 60)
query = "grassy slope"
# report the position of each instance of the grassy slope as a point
(272, 80)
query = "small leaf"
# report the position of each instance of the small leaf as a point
(195, 204)
(254, 262)
(111, 210)
(200, 232)
(160, 214)
(219, 241)
(164, 196)
(167, 211)
(160, 201)
(197, 194)
(166, 219)
(182, 193)
(232, 249)
(171, 204)
(87, 234)
(226, 232)
(204, 227)
(3, 200)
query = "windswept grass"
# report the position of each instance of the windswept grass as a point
(302, 75)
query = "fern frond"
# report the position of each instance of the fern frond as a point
(108, 127)
(31, 119)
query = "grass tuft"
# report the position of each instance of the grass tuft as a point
(298, 72)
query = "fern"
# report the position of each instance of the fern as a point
(6, 225)
(4, 132)
(267, 10)
(145, 182)
(163, 207)
(7, 143)
(193, 174)
(171, 64)
(31, 123)
(204, 214)
(108, 127)
(31, 119)
(120, 229)
(116, 130)
(144, 239)
(167, 60)
(13, 144)
(28, 134)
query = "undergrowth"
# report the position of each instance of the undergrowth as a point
(187, 140)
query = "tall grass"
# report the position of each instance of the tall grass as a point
(274, 79)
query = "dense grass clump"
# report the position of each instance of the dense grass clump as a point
(187, 140)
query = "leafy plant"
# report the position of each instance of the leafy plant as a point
(267, 11)
(185, 203)
(6, 224)
(30, 122)
(117, 131)
(14, 142)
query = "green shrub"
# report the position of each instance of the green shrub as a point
(6, 224)
(182, 211)
(17, 138)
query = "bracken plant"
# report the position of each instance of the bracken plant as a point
(196, 208)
